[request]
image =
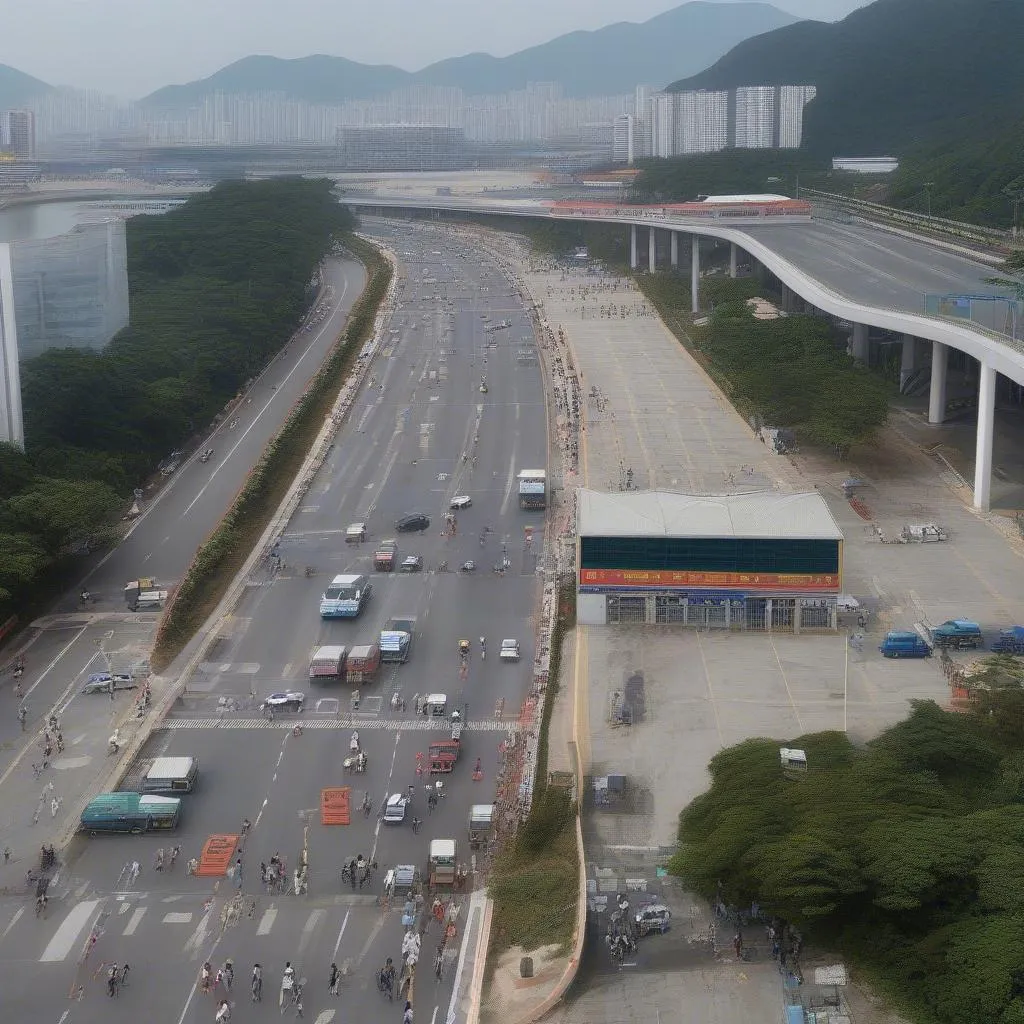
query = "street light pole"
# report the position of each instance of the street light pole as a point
(928, 195)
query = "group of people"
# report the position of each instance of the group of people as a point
(117, 978)
(275, 874)
(357, 871)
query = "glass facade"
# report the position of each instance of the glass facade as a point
(67, 291)
(701, 554)
(71, 290)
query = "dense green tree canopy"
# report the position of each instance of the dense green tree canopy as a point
(217, 287)
(907, 853)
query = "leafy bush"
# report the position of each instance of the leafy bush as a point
(908, 853)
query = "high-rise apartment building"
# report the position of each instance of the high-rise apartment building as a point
(754, 118)
(67, 291)
(623, 140)
(664, 123)
(703, 122)
(18, 133)
(791, 103)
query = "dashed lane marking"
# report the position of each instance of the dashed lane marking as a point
(346, 724)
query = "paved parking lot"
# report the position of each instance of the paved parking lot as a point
(651, 409)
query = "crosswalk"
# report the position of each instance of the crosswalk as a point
(184, 923)
(334, 724)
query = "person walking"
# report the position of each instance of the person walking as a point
(333, 979)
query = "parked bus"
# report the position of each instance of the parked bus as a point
(130, 812)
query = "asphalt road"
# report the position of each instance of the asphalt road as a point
(63, 648)
(872, 266)
(401, 450)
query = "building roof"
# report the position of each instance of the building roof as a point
(757, 515)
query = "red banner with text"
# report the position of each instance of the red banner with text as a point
(626, 579)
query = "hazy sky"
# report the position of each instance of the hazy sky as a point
(131, 47)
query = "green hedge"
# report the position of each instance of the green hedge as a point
(219, 558)
(535, 878)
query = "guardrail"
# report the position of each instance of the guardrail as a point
(993, 238)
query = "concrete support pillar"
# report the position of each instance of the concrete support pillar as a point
(937, 393)
(652, 251)
(986, 428)
(907, 366)
(632, 247)
(674, 248)
(787, 299)
(732, 259)
(860, 343)
(695, 274)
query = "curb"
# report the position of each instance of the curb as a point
(210, 629)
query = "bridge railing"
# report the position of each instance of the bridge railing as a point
(991, 239)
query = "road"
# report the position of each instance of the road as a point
(875, 267)
(401, 450)
(63, 648)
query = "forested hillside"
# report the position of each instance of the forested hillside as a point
(217, 287)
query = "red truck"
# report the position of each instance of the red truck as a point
(362, 664)
(384, 557)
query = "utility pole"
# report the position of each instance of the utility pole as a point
(1016, 196)
(928, 195)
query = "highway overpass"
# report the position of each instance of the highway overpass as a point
(856, 272)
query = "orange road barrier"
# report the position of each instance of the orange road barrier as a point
(335, 808)
(216, 857)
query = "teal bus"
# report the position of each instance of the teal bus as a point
(131, 812)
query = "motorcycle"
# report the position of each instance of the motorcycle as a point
(114, 742)
(206, 456)
(356, 765)
(469, 566)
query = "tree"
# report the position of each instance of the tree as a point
(63, 513)
(22, 560)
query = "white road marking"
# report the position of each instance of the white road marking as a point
(341, 932)
(274, 395)
(177, 917)
(267, 920)
(324, 1017)
(312, 923)
(195, 984)
(46, 671)
(67, 934)
(14, 920)
(136, 919)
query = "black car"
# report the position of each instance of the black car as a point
(412, 523)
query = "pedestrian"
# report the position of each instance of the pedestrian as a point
(737, 944)
(352, 874)
(124, 974)
(407, 1013)
(7, 855)
(54, 806)
(332, 981)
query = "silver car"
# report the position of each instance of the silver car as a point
(394, 809)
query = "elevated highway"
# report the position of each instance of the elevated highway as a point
(867, 276)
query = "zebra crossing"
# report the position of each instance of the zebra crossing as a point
(335, 724)
(184, 922)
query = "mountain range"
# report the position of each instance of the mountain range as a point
(609, 61)
(892, 75)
